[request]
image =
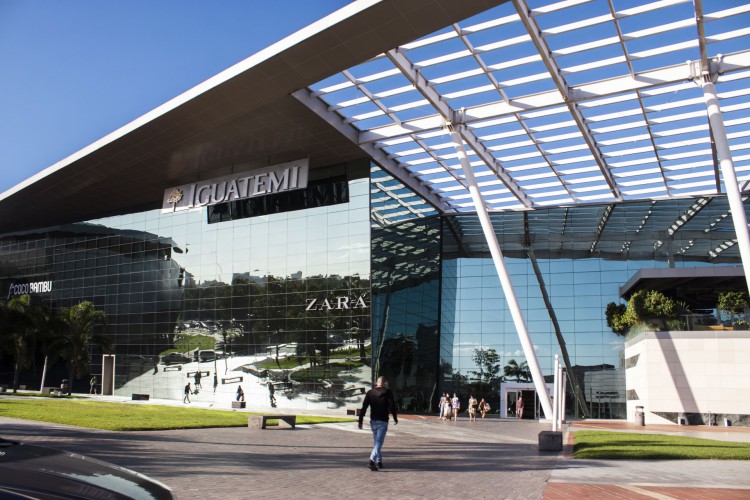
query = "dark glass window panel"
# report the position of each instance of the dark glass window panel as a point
(319, 193)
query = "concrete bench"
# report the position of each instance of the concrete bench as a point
(141, 397)
(260, 421)
(238, 404)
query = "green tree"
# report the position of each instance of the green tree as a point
(49, 326)
(732, 302)
(646, 307)
(615, 314)
(80, 321)
(18, 334)
(517, 371)
(735, 304)
(488, 362)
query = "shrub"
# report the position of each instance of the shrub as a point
(650, 308)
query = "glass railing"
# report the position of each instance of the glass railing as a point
(694, 322)
(716, 322)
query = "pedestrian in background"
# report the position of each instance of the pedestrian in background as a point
(381, 402)
(448, 408)
(484, 407)
(186, 398)
(92, 382)
(472, 408)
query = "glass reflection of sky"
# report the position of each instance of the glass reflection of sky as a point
(332, 240)
(579, 292)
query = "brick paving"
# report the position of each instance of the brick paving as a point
(424, 458)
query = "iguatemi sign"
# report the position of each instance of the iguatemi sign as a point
(248, 184)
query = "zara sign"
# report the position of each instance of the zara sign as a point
(337, 303)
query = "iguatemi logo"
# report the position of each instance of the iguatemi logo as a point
(16, 289)
(336, 303)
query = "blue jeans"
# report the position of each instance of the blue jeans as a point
(379, 428)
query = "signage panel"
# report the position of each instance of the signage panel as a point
(16, 289)
(239, 186)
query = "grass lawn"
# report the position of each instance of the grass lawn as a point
(629, 446)
(131, 417)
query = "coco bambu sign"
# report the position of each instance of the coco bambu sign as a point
(239, 186)
(17, 289)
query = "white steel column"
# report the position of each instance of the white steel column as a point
(724, 156)
(555, 394)
(502, 272)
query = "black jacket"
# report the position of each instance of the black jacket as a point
(381, 401)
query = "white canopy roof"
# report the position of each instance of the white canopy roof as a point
(560, 103)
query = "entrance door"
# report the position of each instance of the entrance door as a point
(510, 404)
(530, 401)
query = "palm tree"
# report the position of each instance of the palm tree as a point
(80, 321)
(50, 327)
(513, 369)
(18, 335)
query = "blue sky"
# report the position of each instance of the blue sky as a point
(74, 71)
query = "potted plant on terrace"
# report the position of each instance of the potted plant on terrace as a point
(734, 303)
(646, 310)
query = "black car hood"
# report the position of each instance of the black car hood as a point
(41, 472)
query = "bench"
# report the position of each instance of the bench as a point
(238, 404)
(353, 411)
(260, 421)
(141, 397)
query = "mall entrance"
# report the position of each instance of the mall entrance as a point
(511, 392)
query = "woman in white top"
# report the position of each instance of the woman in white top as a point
(472, 408)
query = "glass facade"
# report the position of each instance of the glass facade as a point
(302, 299)
(277, 300)
(578, 257)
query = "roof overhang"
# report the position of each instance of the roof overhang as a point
(713, 278)
(560, 104)
(245, 115)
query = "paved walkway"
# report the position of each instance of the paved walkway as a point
(424, 458)
(661, 479)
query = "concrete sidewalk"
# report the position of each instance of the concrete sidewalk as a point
(424, 458)
(662, 479)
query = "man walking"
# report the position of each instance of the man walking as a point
(186, 399)
(381, 402)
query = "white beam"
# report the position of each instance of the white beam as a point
(447, 114)
(724, 156)
(605, 88)
(378, 155)
(502, 272)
